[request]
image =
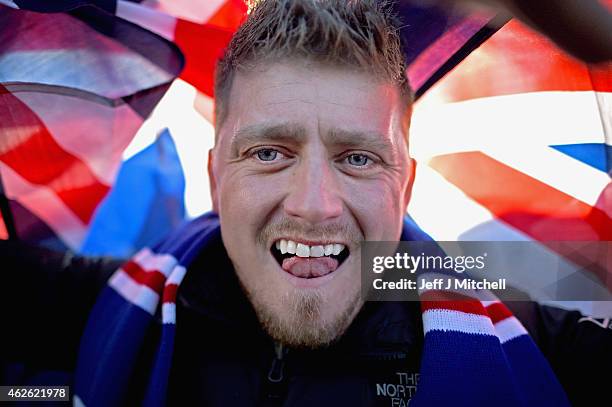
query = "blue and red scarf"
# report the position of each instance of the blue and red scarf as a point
(476, 353)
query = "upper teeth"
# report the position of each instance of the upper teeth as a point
(304, 250)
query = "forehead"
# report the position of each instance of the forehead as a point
(316, 98)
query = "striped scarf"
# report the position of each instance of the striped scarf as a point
(476, 353)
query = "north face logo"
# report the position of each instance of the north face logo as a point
(398, 392)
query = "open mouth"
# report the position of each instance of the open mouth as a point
(309, 261)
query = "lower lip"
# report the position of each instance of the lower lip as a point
(314, 282)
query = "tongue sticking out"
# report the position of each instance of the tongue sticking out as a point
(310, 267)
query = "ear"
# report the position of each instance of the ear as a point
(408, 190)
(212, 181)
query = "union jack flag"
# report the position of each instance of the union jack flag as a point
(517, 145)
(81, 86)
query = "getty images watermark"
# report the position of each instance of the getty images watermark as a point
(433, 263)
(571, 271)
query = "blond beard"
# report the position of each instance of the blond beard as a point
(301, 324)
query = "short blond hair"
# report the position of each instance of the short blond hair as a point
(358, 34)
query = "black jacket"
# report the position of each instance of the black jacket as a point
(223, 358)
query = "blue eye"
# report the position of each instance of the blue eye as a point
(358, 160)
(267, 154)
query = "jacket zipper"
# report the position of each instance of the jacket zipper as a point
(275, 387)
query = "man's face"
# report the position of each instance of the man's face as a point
(310, 161)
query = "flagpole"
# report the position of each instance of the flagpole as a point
(7, 215)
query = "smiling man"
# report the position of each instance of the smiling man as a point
(258, 303)
(311, 158)
(311, 144)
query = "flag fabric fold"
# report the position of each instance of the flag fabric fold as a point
(124, 221)
(74, 89)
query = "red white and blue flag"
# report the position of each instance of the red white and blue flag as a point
(77, 81)
(74, 89)
(517, 145)
(514, 143)
(525, 132)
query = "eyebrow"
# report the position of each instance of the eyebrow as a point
(270, 133)
(283, 133)
(360, 139)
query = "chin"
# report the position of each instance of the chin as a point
(303, 315)
(308, 319)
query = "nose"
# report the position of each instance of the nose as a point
(314, 196)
